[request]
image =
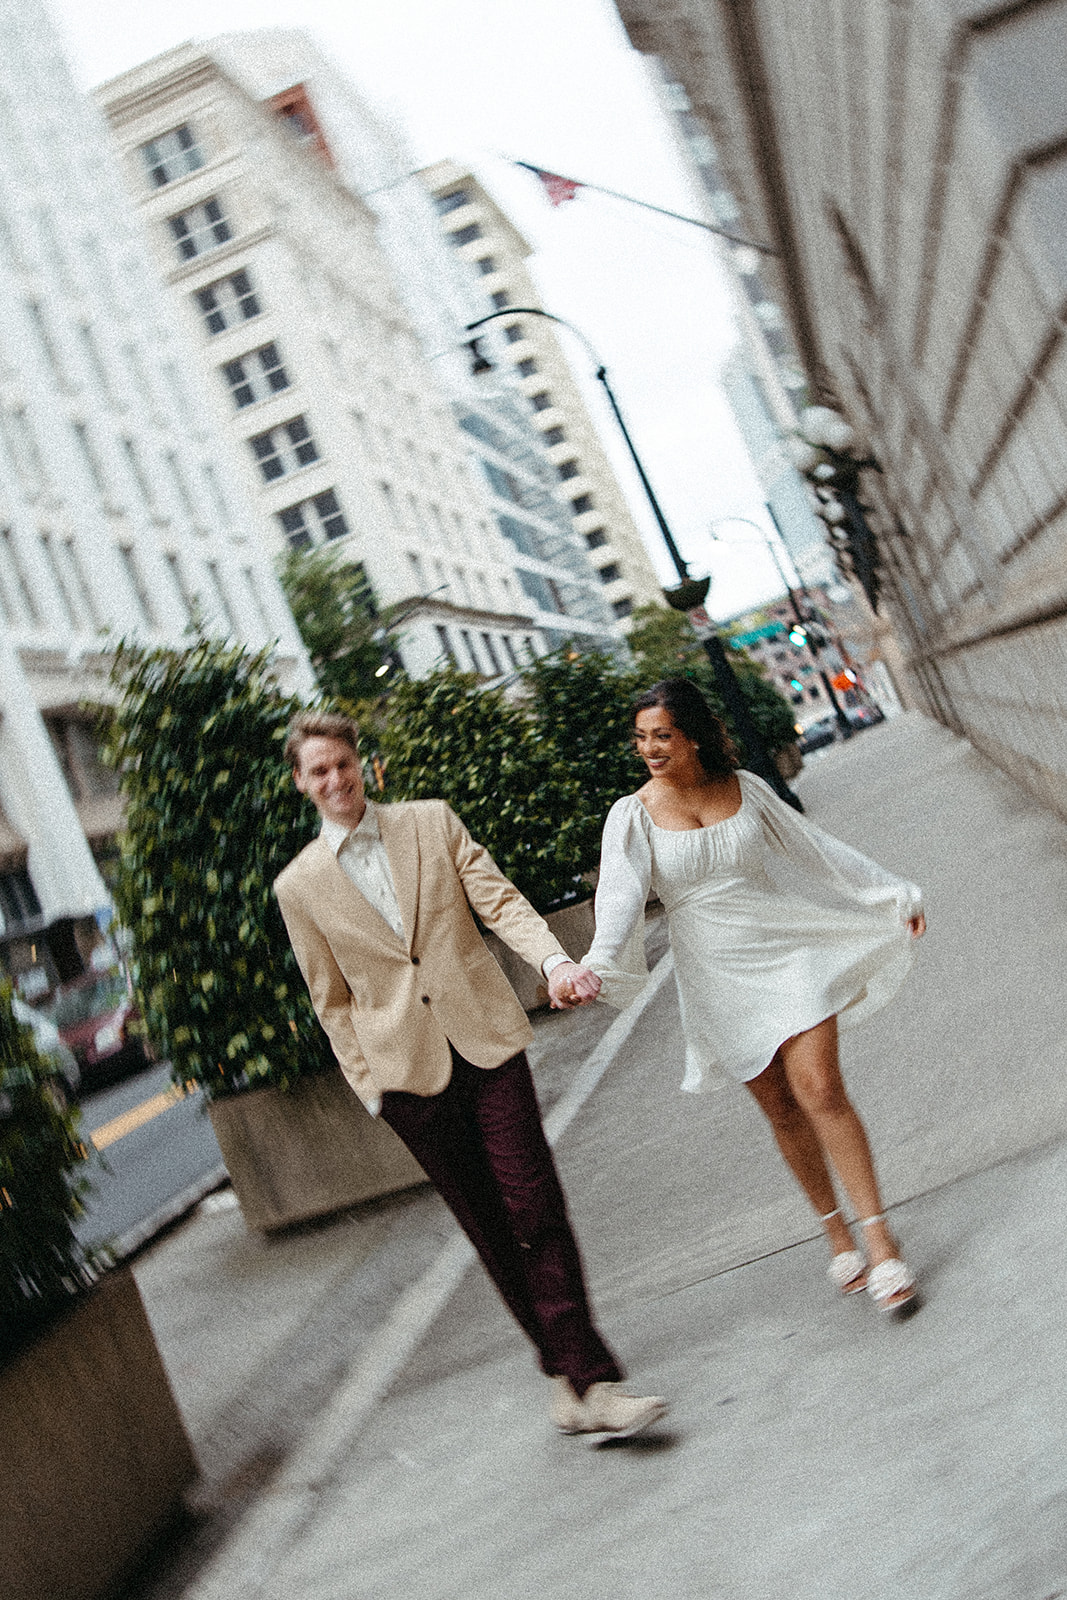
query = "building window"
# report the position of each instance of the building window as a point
(221, 595)
(541, 400)
(568, 469)
(581, 503)
(188, 600)
(89, 457)
(283, 449)
(15, 567)
(18, 898)
(77, 571)
(490, 650)
(93, 360)
(623, 608)
(468, 642)
(46, 341)
(137, 583)
(227, 302)
(510, 650)
(137, 473)
(78, 753)
(312, 521)
(553, 436)
(527, 368)
(256, 376)
(58, 579)
(596, 537)
(417, 574)
(452, 201)
(514, 332)
(172, 155)
(199, 229)
(610, 573)
(486, 265)
(500, 299)
(466, 235)
(446, 644)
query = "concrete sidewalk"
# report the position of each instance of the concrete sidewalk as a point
(814, 1450)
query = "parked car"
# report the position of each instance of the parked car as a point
(66, 1074)
(817, 734)
(97, 1017)
(864, 716)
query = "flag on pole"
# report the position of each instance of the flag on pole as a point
(558, 189)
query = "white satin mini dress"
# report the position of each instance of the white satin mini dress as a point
(755, 963)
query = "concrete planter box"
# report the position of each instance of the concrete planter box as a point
(292, 1156)
(95, 1452)
(573, 927)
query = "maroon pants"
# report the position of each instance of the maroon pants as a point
(481, 1143)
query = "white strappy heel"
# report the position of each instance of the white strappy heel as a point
(890, 1279)
(847, 1266)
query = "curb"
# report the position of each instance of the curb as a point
(173, 1210)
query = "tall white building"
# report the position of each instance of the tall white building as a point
(118, 512)
(560, 580)
(348, 433)
(494, 254)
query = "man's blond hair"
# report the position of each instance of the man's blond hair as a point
(318, 725)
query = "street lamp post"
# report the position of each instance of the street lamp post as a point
(803, 621)
(689, 593)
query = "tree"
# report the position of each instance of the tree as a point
(42, 1264)
(665, 646)
(580, 702)
(345, 635)
(448, 739)
(212, 816)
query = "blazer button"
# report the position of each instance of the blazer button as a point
(425, 999)
(414, 961)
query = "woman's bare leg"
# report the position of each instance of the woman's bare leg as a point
(813, 1072)
(799, 1143)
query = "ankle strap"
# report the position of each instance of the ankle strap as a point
(868, 1222)
(836, 1212)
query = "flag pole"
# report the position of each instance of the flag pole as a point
(646, 205)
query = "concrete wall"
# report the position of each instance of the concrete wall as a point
(908, 160)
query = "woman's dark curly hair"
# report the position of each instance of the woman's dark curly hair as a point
(691, 714)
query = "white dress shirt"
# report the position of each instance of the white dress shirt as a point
(363, 858)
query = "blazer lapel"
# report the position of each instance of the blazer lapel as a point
(401, 840)
(338, 885)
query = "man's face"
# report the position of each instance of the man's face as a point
(329, 773)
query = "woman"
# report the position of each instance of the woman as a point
(762, 973)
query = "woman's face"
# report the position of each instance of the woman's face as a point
(666, 751)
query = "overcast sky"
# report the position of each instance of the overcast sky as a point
(553, 82)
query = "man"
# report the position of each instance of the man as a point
(429, 1034)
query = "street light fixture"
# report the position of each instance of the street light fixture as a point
(689, 593)
(826, 450)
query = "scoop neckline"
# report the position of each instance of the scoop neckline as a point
(705, 827)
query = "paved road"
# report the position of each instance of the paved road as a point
(815, 1451)
(157, 1147)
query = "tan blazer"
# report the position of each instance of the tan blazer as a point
(390, 1006)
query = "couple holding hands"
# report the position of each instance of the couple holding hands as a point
(431, 1037)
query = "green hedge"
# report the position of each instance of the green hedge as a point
(42, 1265)
(516, 792)
(212, 817)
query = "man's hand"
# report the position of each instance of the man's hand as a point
(917, 926)
(571, 985)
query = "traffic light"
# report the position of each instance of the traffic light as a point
(798, 636)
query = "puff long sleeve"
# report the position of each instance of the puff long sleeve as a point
(617, 955)
(826, 859)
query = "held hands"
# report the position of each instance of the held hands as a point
(570, 985)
